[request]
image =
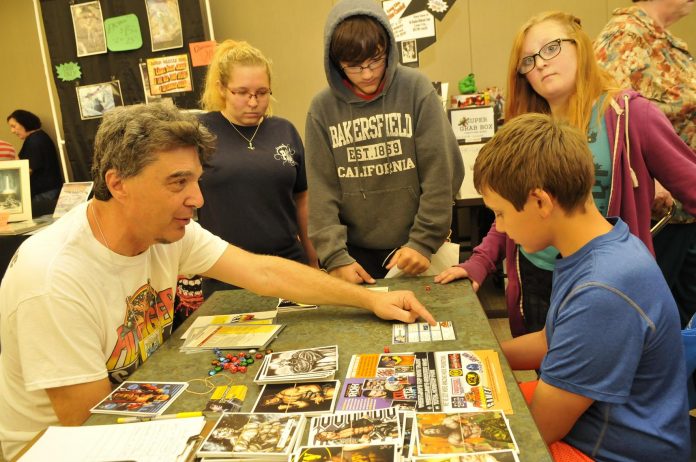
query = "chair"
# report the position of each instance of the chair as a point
(689, 340)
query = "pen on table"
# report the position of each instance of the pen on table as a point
(180, 415)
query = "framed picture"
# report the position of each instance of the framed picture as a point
(15, 193)
(165, 24)
(474, 124)
(88, 25)
(72, 194)
(95, 100)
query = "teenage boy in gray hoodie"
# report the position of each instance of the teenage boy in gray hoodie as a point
(383, 165)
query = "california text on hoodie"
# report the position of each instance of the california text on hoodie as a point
(644, 148)
(381, 173)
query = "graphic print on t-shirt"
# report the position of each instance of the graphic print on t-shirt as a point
(365, 157)
(285, 153)
(147, 323)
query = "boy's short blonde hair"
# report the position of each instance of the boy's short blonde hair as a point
(535, 151)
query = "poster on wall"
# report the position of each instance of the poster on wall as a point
(164, 21)
(169, 74)
(414, 29)
(88, 25)
(94, 100)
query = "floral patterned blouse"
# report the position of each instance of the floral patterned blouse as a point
(646, 57)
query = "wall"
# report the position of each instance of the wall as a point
(475, 36)
(22, 82)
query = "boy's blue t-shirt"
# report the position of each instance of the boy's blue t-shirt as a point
(613, 335)
(598, 141)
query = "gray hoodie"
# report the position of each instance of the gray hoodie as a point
(381, 173)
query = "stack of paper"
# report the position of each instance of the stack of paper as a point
(231, 337)
(308, 398)
(307, 365)
(146, 399)
(155, 441)
(244, 436)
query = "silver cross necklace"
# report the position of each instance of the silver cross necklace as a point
(248, 140)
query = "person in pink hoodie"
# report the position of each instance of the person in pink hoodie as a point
(552, 70)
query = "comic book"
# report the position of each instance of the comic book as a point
(231, 336)
(247, 436)
(368, 427)
(351, 452)
(285, 306)
(503, 456)
(379, 381)
(408, 438)
(463, 433)
(441, 381)
(308, 398)
(309, 364)
(146, 399)
(227, 398)
(469, 380)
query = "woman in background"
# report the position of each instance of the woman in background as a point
(38, 148)
(255, 188)
(636, 48)
(552, 70)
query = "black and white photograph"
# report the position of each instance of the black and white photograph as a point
(15, 198)
(94, 100)
(88, 24)
(409, 51)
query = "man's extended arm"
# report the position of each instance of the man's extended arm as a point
(278, 277)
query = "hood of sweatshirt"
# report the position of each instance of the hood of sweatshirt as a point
(338, 14)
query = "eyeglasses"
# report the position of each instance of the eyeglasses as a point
(548, 51)
(372, 65)
(260, 95)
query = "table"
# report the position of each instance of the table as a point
(354, 331)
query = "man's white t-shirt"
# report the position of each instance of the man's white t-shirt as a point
(72, 311)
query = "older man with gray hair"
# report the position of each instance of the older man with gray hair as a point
(85, 301)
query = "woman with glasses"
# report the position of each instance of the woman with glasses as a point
(255, 188)
(382, 162)
(552, 70)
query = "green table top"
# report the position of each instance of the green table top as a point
(354, 331)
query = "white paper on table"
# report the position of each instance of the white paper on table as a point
(154, 441)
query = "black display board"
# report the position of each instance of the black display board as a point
(123, 66)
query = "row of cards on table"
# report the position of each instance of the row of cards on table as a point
(300, 381)
(379, 435)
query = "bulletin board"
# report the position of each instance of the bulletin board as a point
(110, 66)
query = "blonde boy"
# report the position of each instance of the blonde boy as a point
(611, 359)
